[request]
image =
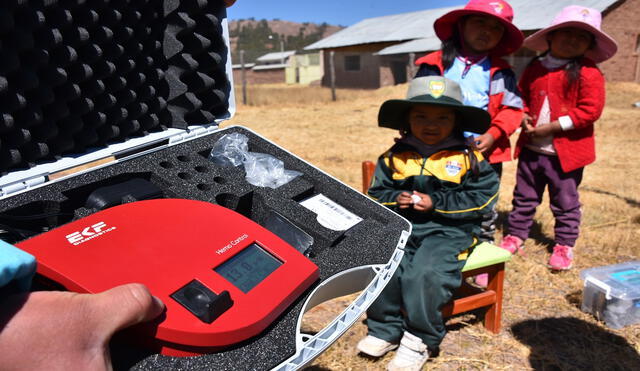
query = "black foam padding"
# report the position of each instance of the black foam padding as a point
(29, 117)
(6, 122)
(35, 59)
(10, 157)
(3, 84)
(80, 74)
(184, 171)
(54, 76)
(44, 132)
(134, 66)
(71, 124)
(34, 151)
(109, 196)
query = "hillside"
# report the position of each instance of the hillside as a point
(253, 36)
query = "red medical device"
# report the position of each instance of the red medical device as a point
(223, 277)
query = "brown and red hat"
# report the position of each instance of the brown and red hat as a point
(500, 9)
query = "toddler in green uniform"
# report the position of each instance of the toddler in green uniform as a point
(434, 178)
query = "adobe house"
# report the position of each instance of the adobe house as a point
(379, 51)
(622, 22)
(268, 69)
(304, 69)
(281, 67)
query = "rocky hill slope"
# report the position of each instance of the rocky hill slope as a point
(258, 37)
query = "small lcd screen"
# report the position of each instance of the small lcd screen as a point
(248, 268)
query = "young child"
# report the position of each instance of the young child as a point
(444, 188)
(563, 92)
(473, 40)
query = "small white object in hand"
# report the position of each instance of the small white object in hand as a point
(415, 199)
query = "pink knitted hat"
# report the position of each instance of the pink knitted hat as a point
(581, 17)
(500, 9)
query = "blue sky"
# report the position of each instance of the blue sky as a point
(334, 12)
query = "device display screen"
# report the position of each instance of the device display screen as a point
(248, 267)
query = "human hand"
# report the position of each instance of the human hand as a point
(424, 203)
(542, 130)
(546, 130)
(527, 122)
(58, 330)
(404, 200)
(484, 142)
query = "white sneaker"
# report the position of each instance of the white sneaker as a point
(375, 347)
(411, 355)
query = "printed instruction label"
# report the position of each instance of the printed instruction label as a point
(330, 214)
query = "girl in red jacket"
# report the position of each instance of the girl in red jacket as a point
(474, 39)
(563, 93)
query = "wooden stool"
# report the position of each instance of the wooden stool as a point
(485, 258)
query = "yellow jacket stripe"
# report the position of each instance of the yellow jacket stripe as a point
(467, 210)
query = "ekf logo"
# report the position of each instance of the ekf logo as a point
(98, 229)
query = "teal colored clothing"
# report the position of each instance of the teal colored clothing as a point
(463, 187)
(16, 267)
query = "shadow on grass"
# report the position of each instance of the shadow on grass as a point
(568, 343)
(629, 201)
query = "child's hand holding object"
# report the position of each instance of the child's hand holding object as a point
(419, 201)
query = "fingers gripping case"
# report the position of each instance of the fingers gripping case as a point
(107, 103)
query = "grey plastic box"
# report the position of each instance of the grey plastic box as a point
(612, 293)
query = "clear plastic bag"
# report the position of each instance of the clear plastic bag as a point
(230, 150)
(262, 170)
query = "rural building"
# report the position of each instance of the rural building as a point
(281, 67)
(268, 69)
(304, 69)
(380, 51)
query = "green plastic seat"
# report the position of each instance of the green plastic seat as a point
(486, 254)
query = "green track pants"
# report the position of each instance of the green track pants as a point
(424, 282)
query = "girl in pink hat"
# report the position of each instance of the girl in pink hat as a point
(563, 93)
(473, 40)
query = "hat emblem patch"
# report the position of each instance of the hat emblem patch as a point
(497, 7)
(436, 88)
(585, 14)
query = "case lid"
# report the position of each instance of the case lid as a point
(81, 81)
(620, 281)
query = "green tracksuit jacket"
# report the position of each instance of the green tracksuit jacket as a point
(463, 187)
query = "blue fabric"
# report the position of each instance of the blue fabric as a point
(16, 265)
(474, 84)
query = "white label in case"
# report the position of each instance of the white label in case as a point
(330, 214)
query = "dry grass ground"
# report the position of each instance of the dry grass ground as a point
(543, 326)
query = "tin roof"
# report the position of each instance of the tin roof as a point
(246, 65)
(413, 46)
(529, 15)
(276, 56)
(269, 67)
(398, 27)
